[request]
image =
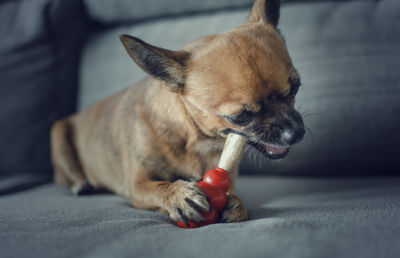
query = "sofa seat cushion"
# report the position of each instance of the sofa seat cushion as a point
(289, 217)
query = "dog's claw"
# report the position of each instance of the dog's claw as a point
(200, 202)
(186, 201)
(182, 217)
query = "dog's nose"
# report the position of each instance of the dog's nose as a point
(285, 133)
(292, 136)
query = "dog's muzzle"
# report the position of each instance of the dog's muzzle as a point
(275, 142)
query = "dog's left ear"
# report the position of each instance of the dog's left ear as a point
(163, 64)
(265, 11)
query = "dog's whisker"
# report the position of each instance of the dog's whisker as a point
(299, 108)
(248, 150)
(308, 113)
(251, 156)
(309, 130)
(254, 156)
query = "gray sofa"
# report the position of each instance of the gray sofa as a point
(337, 194)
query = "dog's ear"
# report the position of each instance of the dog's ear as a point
(163, 64)
(265, 11)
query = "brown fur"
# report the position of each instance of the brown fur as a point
(152, 141)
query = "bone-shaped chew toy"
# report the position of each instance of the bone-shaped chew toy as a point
(216, 182)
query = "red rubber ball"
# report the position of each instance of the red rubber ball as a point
(218, 177)
(209, 218)
(217, 197)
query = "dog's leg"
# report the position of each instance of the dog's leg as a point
(67, 170)
(183, 200)
(235, 210)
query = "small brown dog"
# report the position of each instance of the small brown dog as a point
(153, 141)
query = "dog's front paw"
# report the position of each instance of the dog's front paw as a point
(235, 210)
(185, 200)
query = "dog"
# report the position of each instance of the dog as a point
(153, 141)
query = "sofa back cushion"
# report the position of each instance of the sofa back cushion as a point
(347, 53)
(122, 11)
(38, 77)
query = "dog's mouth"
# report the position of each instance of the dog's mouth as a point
(271, 151)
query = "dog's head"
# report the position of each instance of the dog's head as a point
(240, 81)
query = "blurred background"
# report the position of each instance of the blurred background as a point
(58, 57)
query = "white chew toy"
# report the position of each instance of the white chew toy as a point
(232, 153)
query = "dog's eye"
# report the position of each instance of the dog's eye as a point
(242, 119)
(293, 90)
(294, 87)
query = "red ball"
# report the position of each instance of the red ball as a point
(217, 197)
(218, 177)
(215, 184)
(192, 224)
(209, 218)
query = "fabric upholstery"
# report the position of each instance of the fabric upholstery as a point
(39, 52)
(289, 217)
(348, 57)
(121, 11)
